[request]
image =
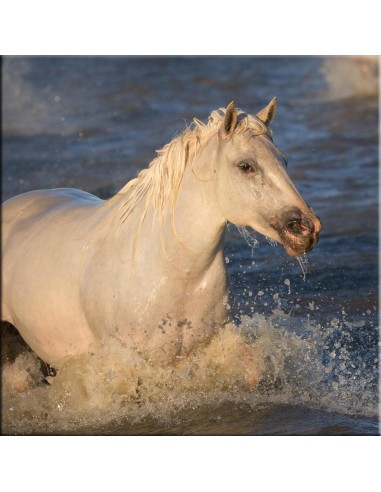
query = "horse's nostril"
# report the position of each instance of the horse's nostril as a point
(297, 226)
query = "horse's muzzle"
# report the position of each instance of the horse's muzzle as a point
(300, 232)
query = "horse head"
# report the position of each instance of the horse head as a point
(252, 186)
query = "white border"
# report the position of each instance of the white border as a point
(193, 28)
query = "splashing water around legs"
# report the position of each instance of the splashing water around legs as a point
(96, 391)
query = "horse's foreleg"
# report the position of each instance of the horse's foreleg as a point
(250, 358)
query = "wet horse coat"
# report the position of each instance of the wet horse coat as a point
(147, 266)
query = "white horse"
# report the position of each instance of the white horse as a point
(148, 264)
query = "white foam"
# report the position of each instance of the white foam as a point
(117, 383)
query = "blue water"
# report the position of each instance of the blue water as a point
(92, 123)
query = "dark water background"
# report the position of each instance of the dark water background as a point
(92, 123)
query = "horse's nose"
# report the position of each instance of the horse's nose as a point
(317, 225)
(300, 230)
(303, 226)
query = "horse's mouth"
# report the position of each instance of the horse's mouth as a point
(297, 248)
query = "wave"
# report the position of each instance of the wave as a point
(351, 76)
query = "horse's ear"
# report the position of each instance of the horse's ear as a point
(230, 120)
(267, 114)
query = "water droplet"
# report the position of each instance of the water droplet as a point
(288, 283)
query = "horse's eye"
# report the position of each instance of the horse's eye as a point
(246, 167)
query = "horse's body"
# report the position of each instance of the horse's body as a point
(147, 266)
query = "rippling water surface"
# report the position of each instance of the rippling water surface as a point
(92, 124)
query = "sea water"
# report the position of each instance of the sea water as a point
(92, 124)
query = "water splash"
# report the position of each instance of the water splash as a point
(288, 283)
(263, 360)
(303, 260)
(249, 237)
(351, 76)
(272, 242)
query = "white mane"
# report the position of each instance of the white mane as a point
(159, 184)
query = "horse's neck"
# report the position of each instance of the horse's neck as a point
(190, 239)
(196, 234)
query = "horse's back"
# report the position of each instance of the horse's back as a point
(25, 210)
(33, 203)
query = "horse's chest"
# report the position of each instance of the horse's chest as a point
(175, 317)
(192, 296)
